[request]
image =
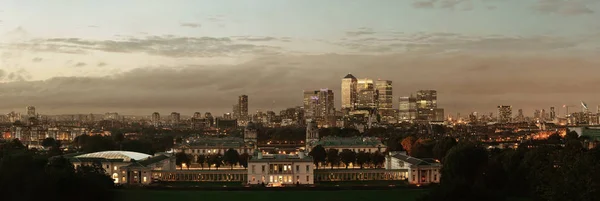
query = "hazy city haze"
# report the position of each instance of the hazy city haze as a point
(137, 57)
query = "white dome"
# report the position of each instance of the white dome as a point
(125, 155)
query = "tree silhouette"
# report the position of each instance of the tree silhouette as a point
(348, 156)
(362, 158)
(182, 158)
(231, 157)
(333, 158)
(201, 159)
(244, 160)
(318, 154)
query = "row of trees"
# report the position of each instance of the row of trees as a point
(557, 169)
(230, 158)
(148, 145)
(334, 157)
(36, 175)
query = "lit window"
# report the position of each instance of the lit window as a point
(115, 168)
(145, 179)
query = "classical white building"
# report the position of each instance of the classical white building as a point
(126, 167)
(281, 169)
(418, 171)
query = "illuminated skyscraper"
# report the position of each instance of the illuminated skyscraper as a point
(384, 96)
(366, 94)
(349, 95)
(552, 113)
(407, 108)
(319, 106)
(243, 104)
(426, 104)
(504, 114)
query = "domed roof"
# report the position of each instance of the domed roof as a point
(125, 155)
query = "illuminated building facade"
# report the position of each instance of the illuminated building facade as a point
(407, 109)
(319, 106)
(156, 119)
(426, 104)
(504, 114)
(280, 169)
(349, 95)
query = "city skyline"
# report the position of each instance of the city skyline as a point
(200, 58)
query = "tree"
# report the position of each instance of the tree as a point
(347, 157)
(318, 154)
(442, 146)
(378, 159)
(244, 160)
(216, 159)
(407, 144)
(422, 148)
(571, 135)
(333, 158)
(48, 142)
(362, 158)
(201, 159)
(231, 157)
(182, 158)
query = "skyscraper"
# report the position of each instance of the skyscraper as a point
(407, 108)
(349, 95)
(197, 115)
(504, 114)
(243, 104)
(175, 118)
(426, 104)
(552, 114)
(319, 106)
(366, 94)
(384, 96)
(156, 119)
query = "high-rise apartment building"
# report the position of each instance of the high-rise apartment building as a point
(504, 114)
(156, 119)
(407, 110)
(243, 104)
(175, 118)
(367, 96)
(520, 116)
(426, 104)
(349, 93)
(319, 106)
(552, 114)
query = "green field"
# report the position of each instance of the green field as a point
(358, 195)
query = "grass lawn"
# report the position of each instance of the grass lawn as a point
(361, 195)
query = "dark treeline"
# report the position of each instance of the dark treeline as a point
(28, 175)
(148, 145)
(335, 158)
(556, 169)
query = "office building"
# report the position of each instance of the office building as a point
(504, 114)
(319, 106)
(349, 95)
(156, 119)
(384, 98)
(367, 99)
(243, 104)
(175, 118)
(426, 103)
(407, 110)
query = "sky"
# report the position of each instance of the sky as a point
(142, 56)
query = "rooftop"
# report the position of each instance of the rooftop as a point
(122, 155)
(416, 161)
(281, 158)
(350, 76)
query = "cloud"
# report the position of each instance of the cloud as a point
(101, 64)
(562, 7)
(360, 32)
(168, 46)
(80, 64)
(256, 38)
(464, 5)
(465, 83)
(191, 25)
(15, 76)
(37, 59)
(443, 42)
(93, 26)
